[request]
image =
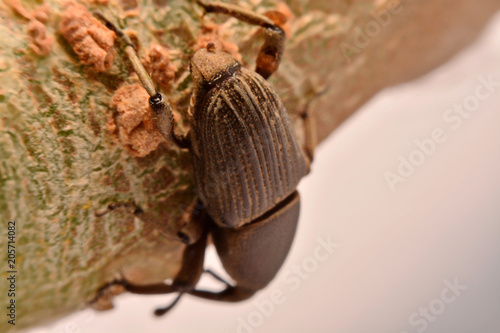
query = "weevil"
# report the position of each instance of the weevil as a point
(247, 163)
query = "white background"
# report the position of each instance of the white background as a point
(396, 248)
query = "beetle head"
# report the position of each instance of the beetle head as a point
(210, 66)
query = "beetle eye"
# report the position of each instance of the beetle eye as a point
(211, 47)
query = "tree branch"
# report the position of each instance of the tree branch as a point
(65, 152)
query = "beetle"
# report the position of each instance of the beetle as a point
(247, 163)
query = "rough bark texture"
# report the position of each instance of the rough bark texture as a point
(60, 161)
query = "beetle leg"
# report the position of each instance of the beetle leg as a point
(309, 121)
(164, 121)
(162, 111)
(164, 310)
(230, 294)
(149, 289)
(185, 280)
(217, 277)
(195, 222)
(271, 51)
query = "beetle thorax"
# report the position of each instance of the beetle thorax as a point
(210, 66)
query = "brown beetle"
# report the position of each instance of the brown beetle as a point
(246, 160)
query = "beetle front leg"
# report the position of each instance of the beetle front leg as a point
(162, 111)
(230, 294)
(271, 51)
(217, 277)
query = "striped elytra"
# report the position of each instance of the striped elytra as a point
(247, 158)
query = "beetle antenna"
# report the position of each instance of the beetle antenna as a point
(143, 75)
(161, 311)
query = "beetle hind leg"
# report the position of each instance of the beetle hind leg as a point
(217, 277)
(270, 53)
(162, 311)
(230, 294)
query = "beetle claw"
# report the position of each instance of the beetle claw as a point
(162, 311)
(104, 295)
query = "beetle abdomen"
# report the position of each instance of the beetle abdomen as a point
(253, 254)
(248, 156)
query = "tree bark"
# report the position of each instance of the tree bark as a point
(61, 160)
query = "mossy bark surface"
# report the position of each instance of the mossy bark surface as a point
(59, 163)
